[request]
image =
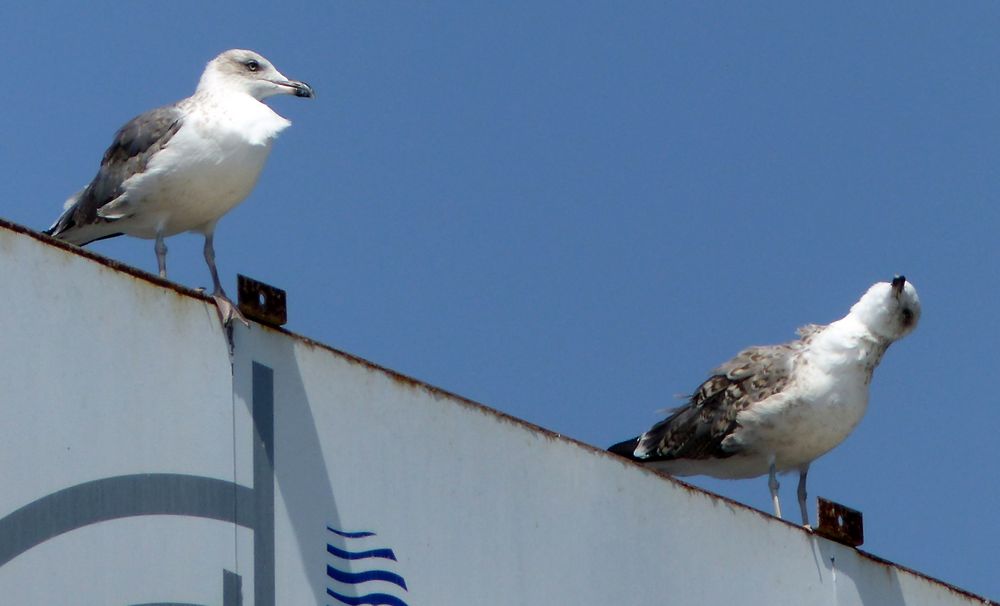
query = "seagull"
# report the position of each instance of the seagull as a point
(777, 408)
(180, 167)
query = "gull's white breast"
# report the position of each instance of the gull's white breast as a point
(209, 166)
(820, 409)
(801, 428)
(823, 403)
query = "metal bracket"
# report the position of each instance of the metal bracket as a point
(841, 524)
(261, 302)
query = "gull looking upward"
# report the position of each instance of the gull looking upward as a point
(777, 408)
(181, 167)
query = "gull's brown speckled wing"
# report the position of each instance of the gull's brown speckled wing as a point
(698, 429)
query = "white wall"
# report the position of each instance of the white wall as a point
(132, 475)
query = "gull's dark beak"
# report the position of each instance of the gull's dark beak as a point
(897, 285)
(299, 89)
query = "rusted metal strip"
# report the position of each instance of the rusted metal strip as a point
(261, 302)
(841, 524)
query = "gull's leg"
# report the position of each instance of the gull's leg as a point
(772, 483)
(161, 254)
(227, 311)
(802, 495)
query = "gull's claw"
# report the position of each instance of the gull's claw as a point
(227, 311)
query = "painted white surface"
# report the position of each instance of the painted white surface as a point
(106, 374)
(135, 560)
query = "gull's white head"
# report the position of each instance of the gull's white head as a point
(890, 310)
(245, 71)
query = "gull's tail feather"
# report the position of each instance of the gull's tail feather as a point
(626, 449)
(69, 227)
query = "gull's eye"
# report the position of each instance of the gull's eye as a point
(907, 316)
(252, 65)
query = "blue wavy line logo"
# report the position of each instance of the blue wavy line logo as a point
(347, 556)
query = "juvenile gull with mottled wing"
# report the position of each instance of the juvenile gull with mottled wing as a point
(181, 167)
(777, 408)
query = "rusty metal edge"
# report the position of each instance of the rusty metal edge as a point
(502, 416)
(395, 375)
(472, 404)
(890, 564)
(105, 261)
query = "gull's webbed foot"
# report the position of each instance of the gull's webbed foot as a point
(227, 310)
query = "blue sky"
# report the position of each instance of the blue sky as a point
(572, 211)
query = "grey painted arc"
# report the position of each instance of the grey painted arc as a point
(169, 494)
(232, 593)
(122, 497)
